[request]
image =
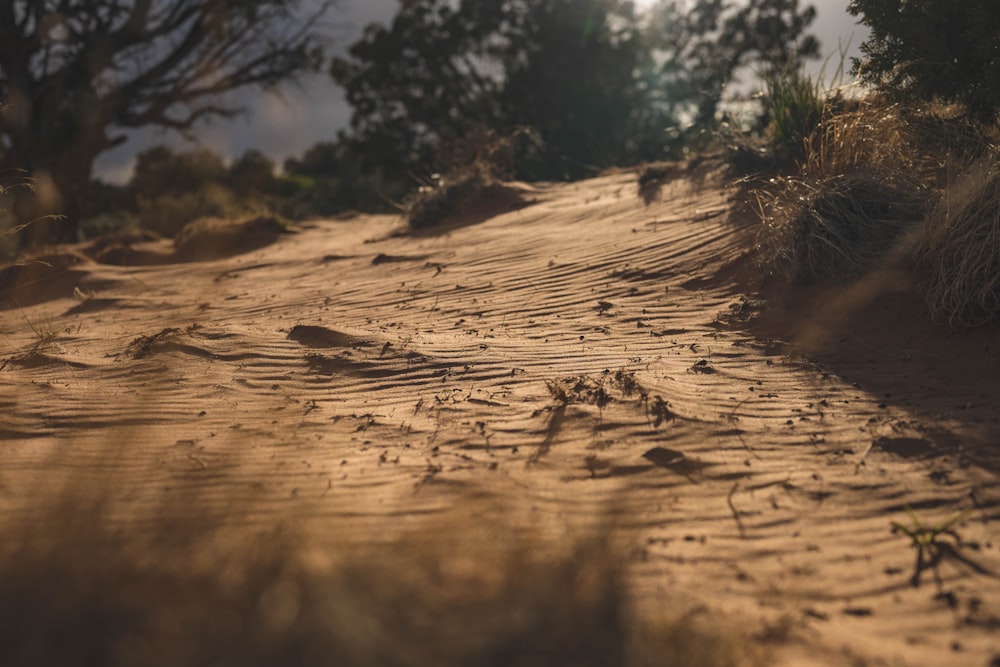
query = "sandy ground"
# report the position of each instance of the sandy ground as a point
(585, 360)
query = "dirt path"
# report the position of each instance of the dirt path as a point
(562, 365)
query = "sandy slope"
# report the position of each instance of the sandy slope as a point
(562, 365)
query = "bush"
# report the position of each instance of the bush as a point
(863, 182)
(467, 194)
(444, 196)
(839, 227)
(934, 49)
(167, 215)
(252, 174)
(161, 171)
(793, 105)
(958, 254)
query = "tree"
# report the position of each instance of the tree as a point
(934, 49)
(565, 68)
(423, 78)
(160, 172)
(252, 174)
(707, 43)
(76, 74)
(572, 74)
(599, 83)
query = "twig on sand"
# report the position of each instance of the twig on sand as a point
(864, 455)
(554, 425)
(736, 512)
(739, 432)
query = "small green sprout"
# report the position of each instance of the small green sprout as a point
(928, 542)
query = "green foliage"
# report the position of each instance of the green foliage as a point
(159, 171)
(793, 105)
(707, 44)
(593, 82)
(934, 49)
(929, 541)
(570, 74)
(346, 176)
(167, 215)
(252, 174)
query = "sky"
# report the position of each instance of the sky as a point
(286, 124)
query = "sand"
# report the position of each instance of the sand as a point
(584, 360)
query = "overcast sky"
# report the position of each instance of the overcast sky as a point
(287, 125)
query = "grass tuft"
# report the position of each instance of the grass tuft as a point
(472, 193)
(835, 228)
(958, 253)
(861, 186)
(794, 104)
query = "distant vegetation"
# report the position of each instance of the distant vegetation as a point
(579, 85)
(455, 97)
(75, 75)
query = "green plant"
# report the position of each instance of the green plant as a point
(928, 540)
(168, 215)
(794, 103)
(933, 49)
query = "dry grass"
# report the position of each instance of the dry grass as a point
(90, 583)
(835, 228)
(865, 181)
(469, 195)
(884, 184)
(958, 253)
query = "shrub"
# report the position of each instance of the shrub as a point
(958, 255)
(838, 227)
(934, 49)
(472, 193)
(160, 171)
(863, 182)
(252, 174)
(477, 167)
(167, 215)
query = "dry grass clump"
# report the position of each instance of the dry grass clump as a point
(473, 186)
(470, 192)
(87, 584)
(837, 227)
(214, 238)
(862, 184)
(958, 253)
